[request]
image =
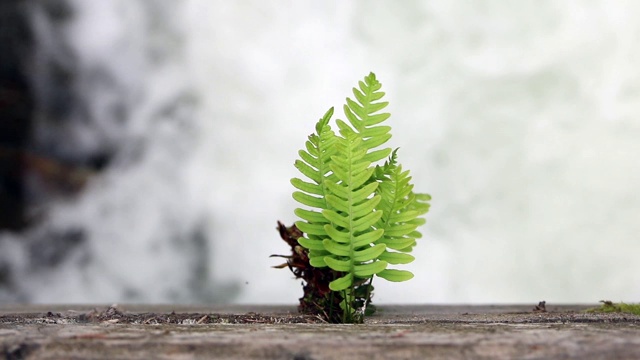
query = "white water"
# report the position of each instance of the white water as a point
(520, 120)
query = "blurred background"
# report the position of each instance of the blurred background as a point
(146, 146)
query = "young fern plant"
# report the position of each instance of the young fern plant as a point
(361, 218)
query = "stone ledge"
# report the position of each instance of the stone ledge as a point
(398, 332)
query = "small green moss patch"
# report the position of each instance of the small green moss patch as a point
(609, 306)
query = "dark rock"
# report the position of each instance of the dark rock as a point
(16, 110)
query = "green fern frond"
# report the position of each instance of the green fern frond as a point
(314, 163)
(364, 118)
(400, 218)
(362, 216)
(355, 216)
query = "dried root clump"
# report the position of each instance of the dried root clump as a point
(317, 299)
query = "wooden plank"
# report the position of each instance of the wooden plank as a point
(397, 332)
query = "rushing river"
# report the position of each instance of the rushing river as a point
(521, 120)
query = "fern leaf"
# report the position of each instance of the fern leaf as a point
(313, 151)
(308, 171)
(398, 243)
(317, 262)
(369, 253)
(367, 270)
(406, 216)
(342, 283)
(338, 265)
(367, 238)
(337, 235)
(400, 229)
(316, 258)
(337, 189)
(310, 216)
(337, 249)
(318, 253)
(307, 187)
(337, 202)
(311, 228)
(335, 218)
(364, 192)
(366, 206)
(396, 258)
(311, 244)
(395, 275)
(375, 131)
(308, 200)
(366, 221)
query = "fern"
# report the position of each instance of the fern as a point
(363, 217)
(314, 164)
(401, 208)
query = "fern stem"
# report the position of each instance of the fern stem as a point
(367, 299)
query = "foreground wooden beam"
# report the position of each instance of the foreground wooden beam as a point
(277, 332)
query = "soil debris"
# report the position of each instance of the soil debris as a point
(541, 307)
(114, 315)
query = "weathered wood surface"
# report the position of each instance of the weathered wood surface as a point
(397, 332)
